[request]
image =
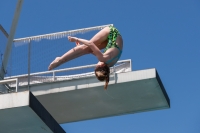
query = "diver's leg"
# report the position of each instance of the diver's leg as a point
(100, 38)
(71, 54)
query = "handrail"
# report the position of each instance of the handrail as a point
(10, 80)
(121, 66)
(62, 70)
(59, 34)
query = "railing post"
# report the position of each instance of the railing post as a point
(29, 62)
(114, 73)
(130, 64)
(53, 75)
(17, 84)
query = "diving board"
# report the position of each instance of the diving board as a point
(85, 99)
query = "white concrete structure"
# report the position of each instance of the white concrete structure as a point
(80, 97)
(22, 113)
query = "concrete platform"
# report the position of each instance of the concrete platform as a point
(85, 99)
(22, 113)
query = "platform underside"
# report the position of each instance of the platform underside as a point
(22, 113)
(22, 119)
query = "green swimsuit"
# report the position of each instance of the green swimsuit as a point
(112, 43)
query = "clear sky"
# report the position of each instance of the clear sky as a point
(157, 34)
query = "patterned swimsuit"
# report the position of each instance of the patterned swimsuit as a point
(112, 43)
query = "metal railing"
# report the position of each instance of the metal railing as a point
(10, 80)
(67, 69)
(57, 35)
(121, 66)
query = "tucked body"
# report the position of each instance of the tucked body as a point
(108, 39)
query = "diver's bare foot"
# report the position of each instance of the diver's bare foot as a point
(72, 39)
(55, 63)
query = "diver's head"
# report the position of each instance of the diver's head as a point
(102, 72)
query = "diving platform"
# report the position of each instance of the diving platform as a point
(78, 97)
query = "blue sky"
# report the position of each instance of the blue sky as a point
(157, 34)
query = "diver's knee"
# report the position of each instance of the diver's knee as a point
(86, 49)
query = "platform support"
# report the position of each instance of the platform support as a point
(11, 37)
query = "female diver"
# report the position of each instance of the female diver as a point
(108, 39)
